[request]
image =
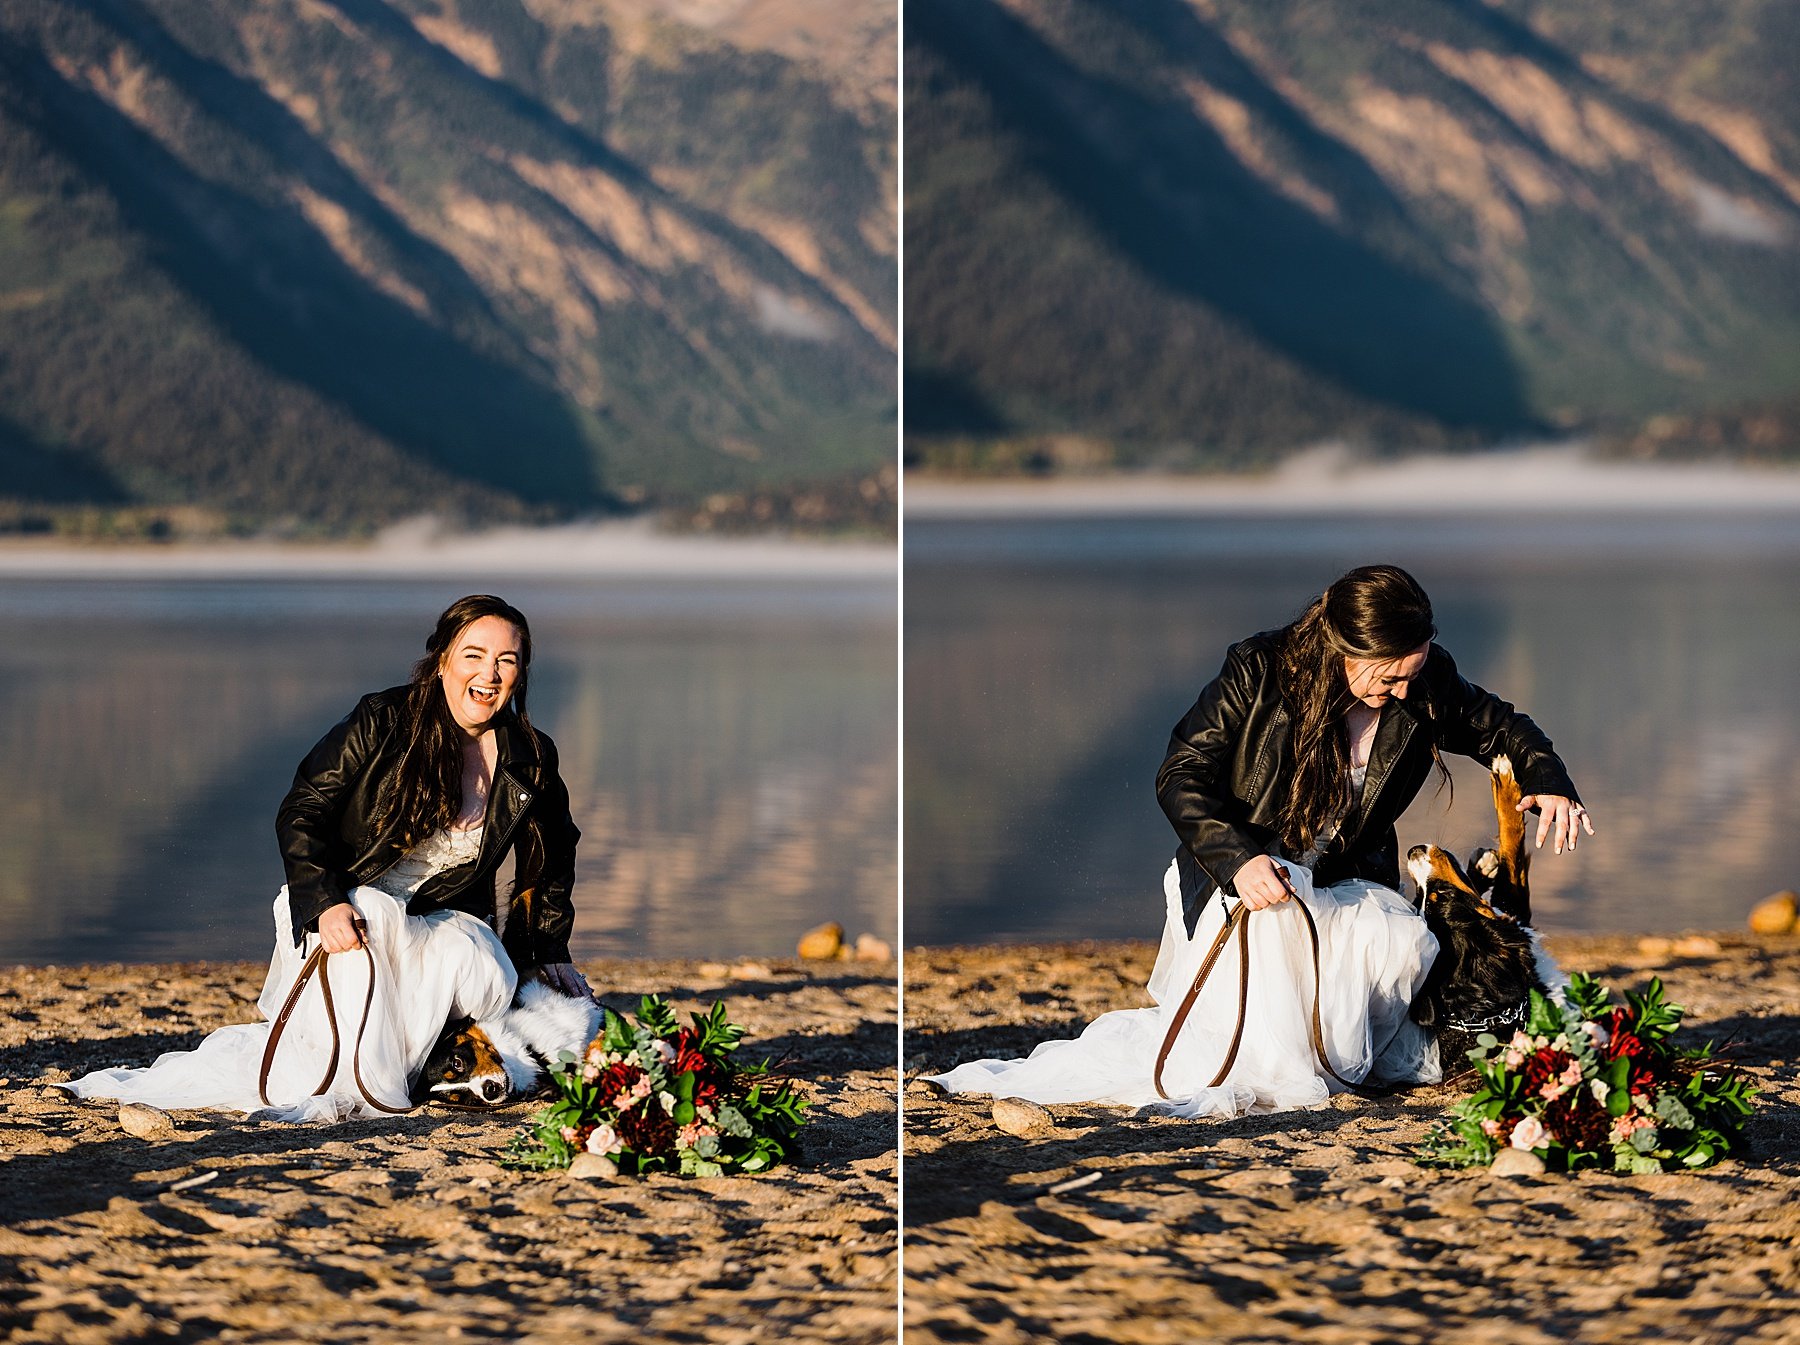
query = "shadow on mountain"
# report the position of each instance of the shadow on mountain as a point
(1166, 192)
(265, 276)
(940, 402)
(32, 472)
(250, 111)
(581, 146)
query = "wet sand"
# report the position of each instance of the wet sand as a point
(407, 1228)
(1316, 1226)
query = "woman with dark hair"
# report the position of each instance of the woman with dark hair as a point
(392, 836)
(1284, 783)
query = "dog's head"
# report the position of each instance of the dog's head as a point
(465, 1069)
(1437, 875)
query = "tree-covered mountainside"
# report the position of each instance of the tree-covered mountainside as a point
(1203, 232)
(330, 262)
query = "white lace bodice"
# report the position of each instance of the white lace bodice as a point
(447, 849)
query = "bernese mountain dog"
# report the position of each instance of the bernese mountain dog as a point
(1489, 958)
(495, 1062)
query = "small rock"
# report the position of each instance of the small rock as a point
(871, 949)
(1778, 914)
(713, 969)
(593, 1167)
(1018, 1117)
(1517, 1163)
(55, 1076)
(822, 942)
(1696, 945)
(147, 1123)
(1653, 945)
(750, 971)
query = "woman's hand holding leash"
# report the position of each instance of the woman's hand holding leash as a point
(341, 928)
(1262, 883)
(1560, 817)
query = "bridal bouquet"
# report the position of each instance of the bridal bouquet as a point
(652, 1096)
(1588, 1084)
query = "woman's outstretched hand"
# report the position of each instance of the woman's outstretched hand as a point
(1262, 883)
(1559, 817)
(341, 928)
(562, 977)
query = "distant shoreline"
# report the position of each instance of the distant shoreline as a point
(1561, 479)
(631, 549)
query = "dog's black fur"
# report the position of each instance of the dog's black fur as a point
(1489, 960)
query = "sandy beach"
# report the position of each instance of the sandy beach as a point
(407, 1228)
(1316, 1226)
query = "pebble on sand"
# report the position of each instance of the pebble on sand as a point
(821, 942)
(1516, 1163)
(147, 1123)
(1018, 1117)
(871, 949)
(593, 1167)
(1778, 914)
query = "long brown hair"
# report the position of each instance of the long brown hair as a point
(1373, 612)
(424, 794)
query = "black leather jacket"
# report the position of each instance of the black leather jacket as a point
(329, 844)
(1226, 771)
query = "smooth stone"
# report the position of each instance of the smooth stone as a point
(1654, 945)
(1778, 914)
(593, 1167)
(1517, 1163)
(751, 971)
(1018, 1117)
(822, 942)
(1696, 945)
(871, 949)
(147, 1123)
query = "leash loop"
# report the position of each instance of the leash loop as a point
(317, 963)
(1238, 923)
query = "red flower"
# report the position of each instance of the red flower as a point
(646, 1130)
(617, 1080)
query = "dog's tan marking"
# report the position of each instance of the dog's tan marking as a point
(1512, 891)
(1438, 865)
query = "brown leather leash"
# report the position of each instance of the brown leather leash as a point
(1238, 923)
(317, 963)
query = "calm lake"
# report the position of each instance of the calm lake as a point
(1047, 660)
(729, 746)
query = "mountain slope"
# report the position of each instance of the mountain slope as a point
(340, 260)
(1210, 230)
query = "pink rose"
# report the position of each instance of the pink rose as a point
(603, 1140)
(1491, 1128)
(1530, 1134)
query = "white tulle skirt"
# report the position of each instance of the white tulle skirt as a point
(1375, 951)
(428, 970)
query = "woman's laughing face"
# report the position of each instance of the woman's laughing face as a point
(480, 670)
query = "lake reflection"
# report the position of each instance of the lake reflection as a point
(1046, 662)
(729, 748)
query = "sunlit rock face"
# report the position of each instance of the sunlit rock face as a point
(1227, 229)
(336, 263)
